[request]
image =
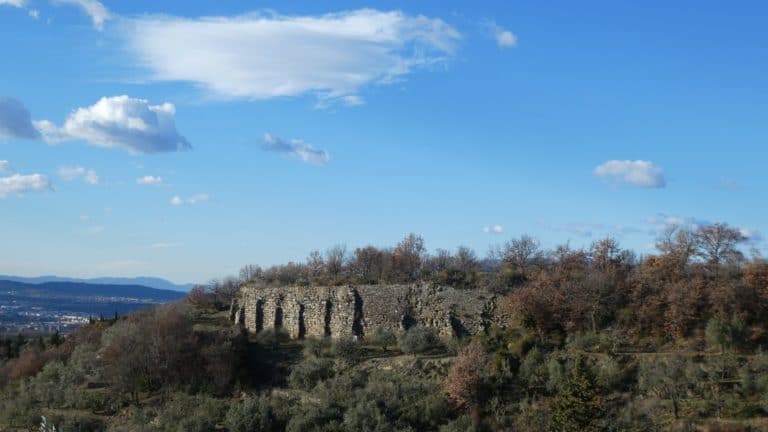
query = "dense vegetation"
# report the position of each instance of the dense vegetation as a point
(589, 340)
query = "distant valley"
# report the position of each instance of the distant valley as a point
(42, 308)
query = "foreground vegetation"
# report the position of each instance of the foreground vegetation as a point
(587, 340)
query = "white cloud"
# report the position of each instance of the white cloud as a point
(194, 199)
(93, 8)
(91, 177)
(640, 173)
(20, 184)
(495, 229)
(751, 235)
(662, 222)
(34, 13)
(585, 229)
(198, 198)
(73, 173)
(5, 167)
(150, 180)
(16, 3)
(296, 148)
(15, 120)
(504, 38)
(262, 56)
(121, 121)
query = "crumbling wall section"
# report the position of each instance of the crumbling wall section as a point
(346, 311)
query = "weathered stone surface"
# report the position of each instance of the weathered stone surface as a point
(344, 311)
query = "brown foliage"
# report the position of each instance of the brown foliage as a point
(462, 385)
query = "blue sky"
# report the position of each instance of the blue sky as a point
(185, 139)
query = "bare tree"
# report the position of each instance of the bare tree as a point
(522, 253)
(406, 259)
(316, 266)
(368, 264)
(335, 260)
(718, 244)
(250, 273)
(678, 243)
(466, 260)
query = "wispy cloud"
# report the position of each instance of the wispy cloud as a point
(121, 121)
(16, 3)
(639, 173)
(5, 167)
(267, 55)
(150, 180)
(15, 120)
(296, 148)
(194, 199)
(582, 229)
(74, 173)
(93, 8)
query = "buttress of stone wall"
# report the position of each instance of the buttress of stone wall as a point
(359, 310)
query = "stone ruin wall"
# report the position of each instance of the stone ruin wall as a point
(346, 311)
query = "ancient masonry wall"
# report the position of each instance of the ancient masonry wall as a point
(346, 311)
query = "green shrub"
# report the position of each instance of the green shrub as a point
(608, 373)
(72, 422)
(190, 414)
(382, 337)
(418, 339)
(346, 350)
(461, 424)
(309, 372)
(317, 347)
(252, 414)
(533, 369)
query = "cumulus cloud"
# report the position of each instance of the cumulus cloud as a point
(150, 180)
(120, 121)
(15, 120)
(266, 55)
(504, 38)
(296, 148)
(640, 173)
(93, 8)
(20, 184)
(74, 173)
(495, 229)
(194, 199)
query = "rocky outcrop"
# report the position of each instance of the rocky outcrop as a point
(344, 311)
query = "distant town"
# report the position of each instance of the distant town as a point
(44, 309)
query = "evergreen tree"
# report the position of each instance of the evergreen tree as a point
(575, 408)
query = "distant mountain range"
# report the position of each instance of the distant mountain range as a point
(148, 282)
(88, 291)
